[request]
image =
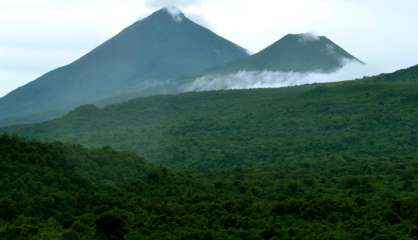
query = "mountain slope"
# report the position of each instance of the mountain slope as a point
(145, 58)
(296, 53)
(216, 131)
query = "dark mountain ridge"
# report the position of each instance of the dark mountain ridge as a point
(145, 58)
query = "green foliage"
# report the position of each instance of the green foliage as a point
(332, 161)
(111, 225)
(369, 119)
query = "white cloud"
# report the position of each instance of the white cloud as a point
(274, 79)
(175, 13)
(165, 3)
(310, 36)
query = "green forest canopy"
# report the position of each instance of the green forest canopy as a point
(329, 161)
(251, 129)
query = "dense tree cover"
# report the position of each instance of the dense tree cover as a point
(371, 118)
(57, 191)
(329, 161)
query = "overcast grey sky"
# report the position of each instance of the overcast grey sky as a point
(39, 35)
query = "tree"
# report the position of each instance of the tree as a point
(110, 225)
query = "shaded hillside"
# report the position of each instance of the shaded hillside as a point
(212, 131)
(146, 58)
(46, 180)
(58, 191)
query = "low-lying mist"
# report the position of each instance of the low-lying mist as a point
(274, 79)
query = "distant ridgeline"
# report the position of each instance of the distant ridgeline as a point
(160, 54)
(328, 161)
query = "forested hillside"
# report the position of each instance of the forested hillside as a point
(57, 191)
(371, 118)
(329, 161)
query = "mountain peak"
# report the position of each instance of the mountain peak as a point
(175, 13)
(150, 57)
(309, 37)
(303, 53)
(304, 37)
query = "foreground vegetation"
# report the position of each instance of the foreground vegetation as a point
(56, 191)
(331, 161)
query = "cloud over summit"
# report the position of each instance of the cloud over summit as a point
(176, 3)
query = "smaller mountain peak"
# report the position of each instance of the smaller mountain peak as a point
(309, 37)
(304, 37)
(175, 13)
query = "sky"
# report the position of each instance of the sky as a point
(37, 36)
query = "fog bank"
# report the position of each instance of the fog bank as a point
(273, 79)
